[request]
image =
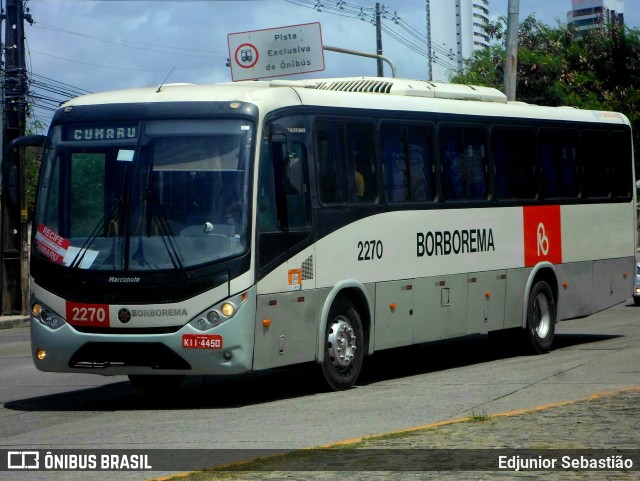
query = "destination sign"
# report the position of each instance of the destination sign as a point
(106, 132)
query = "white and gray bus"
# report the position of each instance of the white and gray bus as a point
(227, 228)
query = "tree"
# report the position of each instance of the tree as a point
(598, 71)
(33, 157)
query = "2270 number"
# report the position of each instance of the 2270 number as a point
(88, 314)
(370, 250)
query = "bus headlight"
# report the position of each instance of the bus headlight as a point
(46, 316)
(228, 309)
(219, 313)
(213, 317)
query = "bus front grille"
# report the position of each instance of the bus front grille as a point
(101, 355)
(132, 295)
(127, 331)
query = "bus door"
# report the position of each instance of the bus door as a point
(284, 255)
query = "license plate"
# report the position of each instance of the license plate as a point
(201, 341)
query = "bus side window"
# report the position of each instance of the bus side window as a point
(361, 162)
(620, 153)
(345, 160)
(267, 213)
(420, 157)
(330, 162)
(408, 162)
(296, 189)
(282, 189)
(513, 152)
(464, 163)
(396, 175)
(559, 163)
(594, 151)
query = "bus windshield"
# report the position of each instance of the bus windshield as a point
(145, 196)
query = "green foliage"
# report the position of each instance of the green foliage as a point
(33, 158)
(479, 417)
(600, 71)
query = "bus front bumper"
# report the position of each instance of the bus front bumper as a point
(221, 350)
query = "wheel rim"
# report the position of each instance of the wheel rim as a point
(541, 316)
(341, 343)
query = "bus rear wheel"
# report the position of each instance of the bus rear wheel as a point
(541, 317)
(151, 384)
(344, 346)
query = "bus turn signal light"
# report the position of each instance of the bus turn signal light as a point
(266, 322)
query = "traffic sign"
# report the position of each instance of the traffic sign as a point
(276, 52)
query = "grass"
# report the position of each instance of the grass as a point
(479, 418)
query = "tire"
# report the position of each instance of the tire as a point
(150, 384)
(541, 318)
(636, 301)
(344, 346)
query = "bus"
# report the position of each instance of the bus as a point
(221, 229)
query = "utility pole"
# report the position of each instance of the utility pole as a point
(429, 51)
(15, 72)
(379, 40)
(511, 50)
(13, 212)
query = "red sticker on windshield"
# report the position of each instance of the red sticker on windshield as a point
(51, 245)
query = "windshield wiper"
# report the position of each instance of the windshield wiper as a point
(164, 230)
(106, 220)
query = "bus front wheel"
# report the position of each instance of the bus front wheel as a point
(541, 317)
(344, 346)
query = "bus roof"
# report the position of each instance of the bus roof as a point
(355, 92)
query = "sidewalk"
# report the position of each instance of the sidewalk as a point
(608, 422)
(8, 322)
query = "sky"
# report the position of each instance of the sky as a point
(96, 45)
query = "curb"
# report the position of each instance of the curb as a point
(426, 427)
(447, 422)
(9, 322)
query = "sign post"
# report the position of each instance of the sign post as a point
(276, 52)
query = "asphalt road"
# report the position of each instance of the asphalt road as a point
(400, 388)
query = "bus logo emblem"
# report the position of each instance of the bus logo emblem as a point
(543, 241)
(542, 234)
(124, 315)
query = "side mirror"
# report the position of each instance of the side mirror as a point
(9, 173)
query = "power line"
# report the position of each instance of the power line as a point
(44, 95)
(166, 49)
(396, 27)
(111, 67)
